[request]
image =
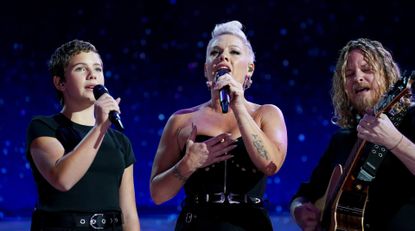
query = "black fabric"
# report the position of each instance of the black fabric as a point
(76, 221)
(223, 217)
(391, 200)
(98, 189)
(242, 178)
(242, 175)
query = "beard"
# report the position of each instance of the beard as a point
(365, 103)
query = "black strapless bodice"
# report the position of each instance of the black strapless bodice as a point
(236, 175)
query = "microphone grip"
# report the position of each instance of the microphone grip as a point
(224, 99)
(223, 92)
(114, 116)
(116, 120)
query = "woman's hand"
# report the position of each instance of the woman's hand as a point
(236, 90)
(214, 150)
(103, 106)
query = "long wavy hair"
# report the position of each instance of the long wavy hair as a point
(380, 61)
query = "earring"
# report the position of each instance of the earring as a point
(248, 82)
(209, 85)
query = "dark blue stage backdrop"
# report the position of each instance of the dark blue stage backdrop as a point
(153, 53)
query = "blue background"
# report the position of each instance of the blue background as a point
(153, 53)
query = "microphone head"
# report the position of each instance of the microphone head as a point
(99, 90)
(221, 72)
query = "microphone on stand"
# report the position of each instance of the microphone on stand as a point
(224, 97)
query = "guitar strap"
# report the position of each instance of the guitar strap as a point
(376, 153)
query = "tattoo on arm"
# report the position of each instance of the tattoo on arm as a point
(260, 147)
(178, 175)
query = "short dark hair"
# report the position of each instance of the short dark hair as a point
(61, 57)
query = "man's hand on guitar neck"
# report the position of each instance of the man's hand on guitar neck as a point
(306, 215)
(378, 130)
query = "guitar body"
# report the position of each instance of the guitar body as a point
(334, 181)
(347, 209)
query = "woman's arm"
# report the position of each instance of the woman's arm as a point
(170, 170)
(266, 143)
(127, 201)
(266, 138)
(64, 171)
(167, 178)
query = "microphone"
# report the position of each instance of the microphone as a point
(224, 91)
(114, 116)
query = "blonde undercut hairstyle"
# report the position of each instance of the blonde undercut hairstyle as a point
(232, 28)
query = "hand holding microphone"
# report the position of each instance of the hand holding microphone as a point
(224, 97)
(114, 116)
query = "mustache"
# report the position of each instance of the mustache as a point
(359, 87)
